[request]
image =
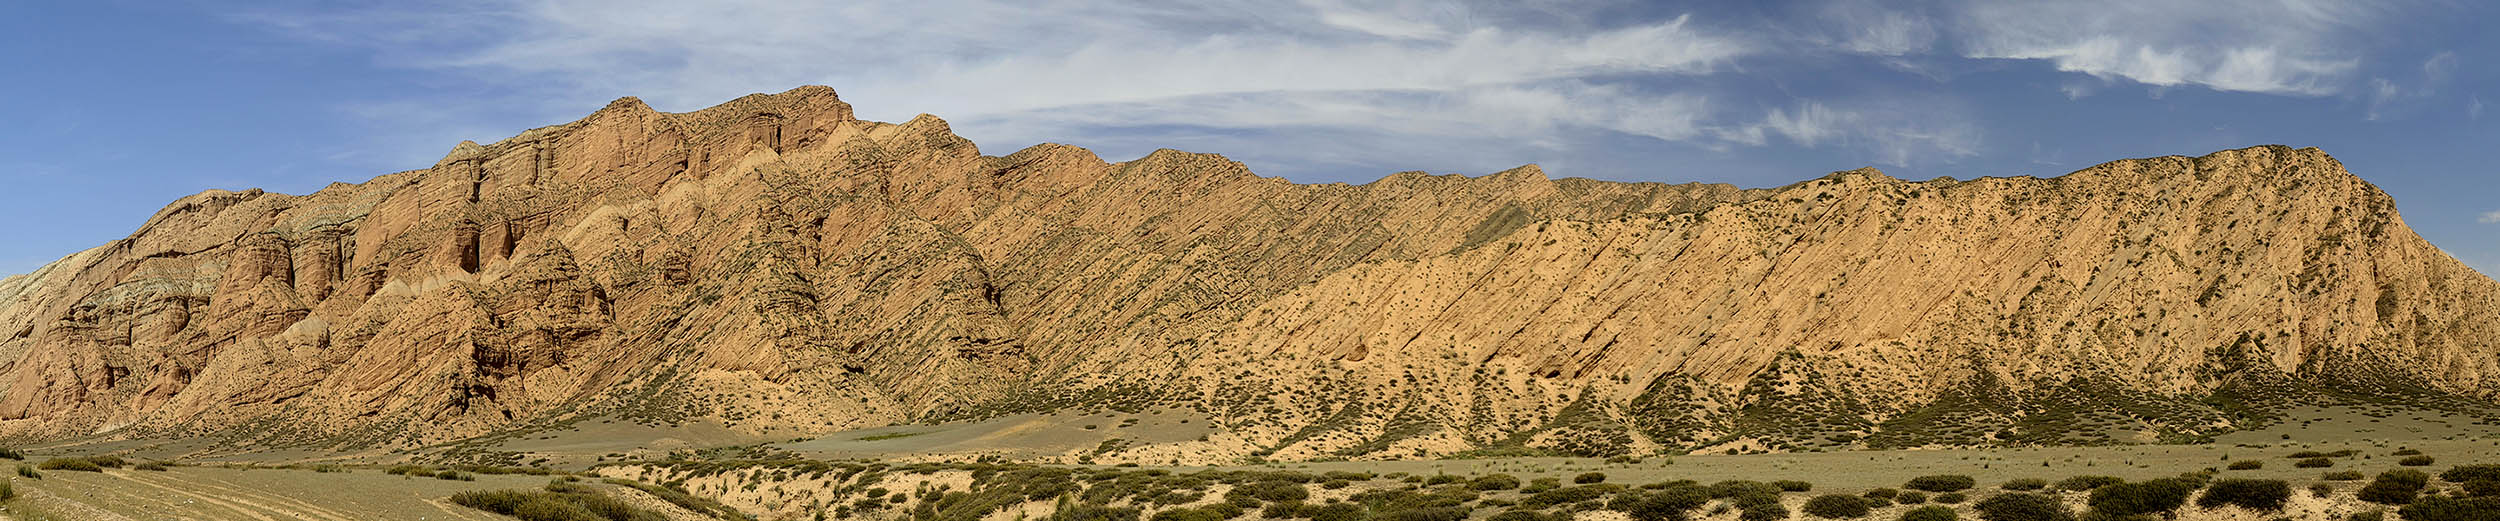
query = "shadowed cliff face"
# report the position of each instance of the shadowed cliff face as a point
(778, 264)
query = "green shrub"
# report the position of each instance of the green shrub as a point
(1093, 512)
(73, 464)
(8, 489)
(1930, 513)
(2437, 508)
(1950, 498)
(2416, 461)
(1275, 490)
(1836, 506)
(1335, 484)
(1881, 493)
(1190, 514)
(150, 466)
(2464, 473)
(1911, 497)
(568, 487)
(2321, 490)
(1590, 477)
(2312, 463)
(2084, 483)
(2482, 488)
(2371, 515)
(2262, 495)
(1282, 510)
(2343, 475)
(1490, 482)
(531, 505)
(1443, 479)
(2394, 487)
(1944, 483)
(1793, 486)
(1666, 504)
(1562, 496)
(2158, 496)
(1540, 485)
(1527, 515)
(1763, 512)
(13, 454)
(2026, 484)
(409, 470)
(2023, 507)
(1336, 512)
(1741, 488)
(2406, 452)
(2246, 464)
(28, 472)
(1425, 514)
(454, 475)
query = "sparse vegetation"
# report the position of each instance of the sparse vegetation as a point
(2416, 461)
(2465, 473)
(1946, 483)
(2248, 464)
(1793, 486)
(2312, 463)
(1589, 477)
(2438, 508)
(2343, 475)
(1490, 482)
(1930, 513)
(12, 454)
(568, 503)
(2394, 487)
(71, 464)
(1836, 506)
(2262, 495)
(2085, 483)
(2158, 496)
(2025, 484)
(28, 472)
(2023, 506)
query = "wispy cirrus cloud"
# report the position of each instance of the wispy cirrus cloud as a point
(1412, 82)
(1481, 78)
(2283, 47)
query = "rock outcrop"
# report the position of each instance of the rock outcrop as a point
(778, 264)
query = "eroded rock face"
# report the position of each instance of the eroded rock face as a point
(775, 262)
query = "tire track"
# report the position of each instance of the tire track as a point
(237, 508)
(297, 508)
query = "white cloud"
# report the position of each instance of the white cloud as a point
(1869, 28)
(2385, 95)
(1010, 74)
(1896, 133)
(2287, 47)
(2490, 217)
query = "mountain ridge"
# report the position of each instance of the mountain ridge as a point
(777, 264)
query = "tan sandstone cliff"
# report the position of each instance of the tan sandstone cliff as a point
(777, 263)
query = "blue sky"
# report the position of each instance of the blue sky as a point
(116, 108)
